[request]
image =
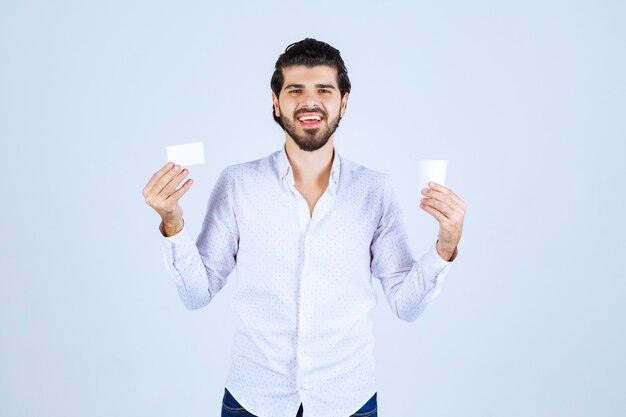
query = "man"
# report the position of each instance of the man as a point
(307, 230)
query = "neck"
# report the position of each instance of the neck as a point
(310, 168)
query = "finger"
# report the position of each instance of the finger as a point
(171, 186)
(441, 196)
(165, 180)
(446, 190)
(434, 212)
(181, 191)
(440, 206)
(155, 177)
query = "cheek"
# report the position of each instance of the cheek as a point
(287, 109)
(336, 106)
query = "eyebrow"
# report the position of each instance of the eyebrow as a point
(316, 86)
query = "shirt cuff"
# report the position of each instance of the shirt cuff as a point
(434, 269)
(175, 247)
(433, 261)
(432, 257)
(180, 237)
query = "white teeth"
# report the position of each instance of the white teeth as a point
(310, 118)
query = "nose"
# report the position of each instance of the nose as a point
(309, 100)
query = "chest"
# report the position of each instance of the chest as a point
(311, 194)
(274, 229)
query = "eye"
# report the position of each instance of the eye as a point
(324, 90)
(295, 90)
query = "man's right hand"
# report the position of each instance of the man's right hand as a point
(161, 194)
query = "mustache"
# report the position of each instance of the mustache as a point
(315, 111)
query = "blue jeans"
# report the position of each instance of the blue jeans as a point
(231, 408)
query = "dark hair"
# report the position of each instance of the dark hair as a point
(309, 52)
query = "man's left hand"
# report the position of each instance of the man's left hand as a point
(449, 210)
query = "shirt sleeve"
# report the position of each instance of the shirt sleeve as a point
(408, 285)
(200, 269)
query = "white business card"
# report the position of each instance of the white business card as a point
(186, 154)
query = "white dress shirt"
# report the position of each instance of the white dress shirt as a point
(304, 283)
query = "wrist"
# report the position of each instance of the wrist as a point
(446, 252)
(171, 227)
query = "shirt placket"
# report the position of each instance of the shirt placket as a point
(306, 291)
(303, 332)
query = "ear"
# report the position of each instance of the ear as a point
(344, 103)
(276, 106)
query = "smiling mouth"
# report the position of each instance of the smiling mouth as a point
(310, 120)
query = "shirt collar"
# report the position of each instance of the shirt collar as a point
(285, 170)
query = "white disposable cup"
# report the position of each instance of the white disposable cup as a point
(431, 170)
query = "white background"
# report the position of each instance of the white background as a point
(525, 99)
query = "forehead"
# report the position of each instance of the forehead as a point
(301, 74)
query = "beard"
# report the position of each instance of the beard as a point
(310, 139)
